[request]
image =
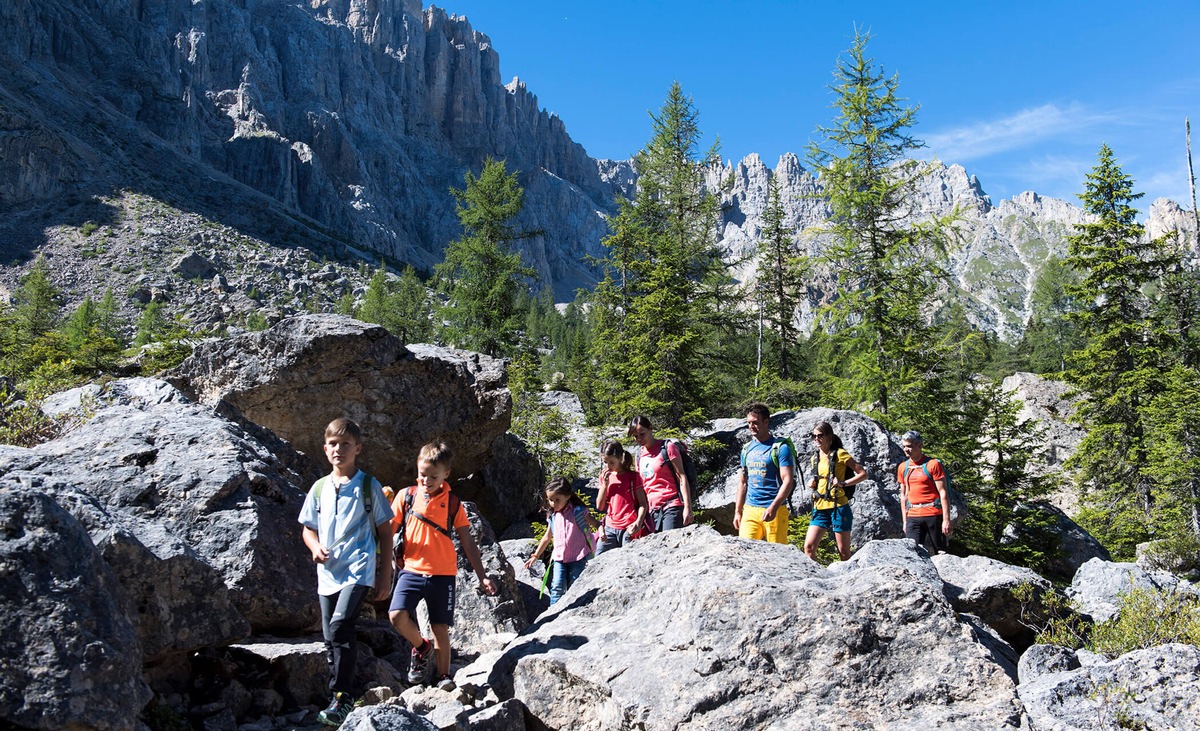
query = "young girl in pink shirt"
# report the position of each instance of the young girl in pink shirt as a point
(622, 497)
(570, 524)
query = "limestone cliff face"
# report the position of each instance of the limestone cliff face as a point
(358, 114)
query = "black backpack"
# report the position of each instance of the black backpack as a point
(831, 495)
(689, 466)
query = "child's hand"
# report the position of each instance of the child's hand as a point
(320, 554)
(529, 563)
(489, 586)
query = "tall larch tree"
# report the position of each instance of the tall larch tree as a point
(780, 286)
(882, 255)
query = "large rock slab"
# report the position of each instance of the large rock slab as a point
(1076, 545)
(690, 629)
(1098, 586)
(1155, 688)
(1046, 401)
(196, 515)
(876, 503)
(984, 587)
(71, 654)
(306, 371)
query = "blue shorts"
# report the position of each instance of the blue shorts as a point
(437, 591)
(839, 520)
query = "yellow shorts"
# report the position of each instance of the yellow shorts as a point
(755, 529)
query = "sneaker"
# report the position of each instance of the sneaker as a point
(418, 664)
(445, 683)
(339, 708)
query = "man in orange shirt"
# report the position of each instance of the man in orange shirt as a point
(924, 502)
(429, 562)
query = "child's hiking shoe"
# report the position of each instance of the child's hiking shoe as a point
(418, 664)
(445, 683)
(339, 708)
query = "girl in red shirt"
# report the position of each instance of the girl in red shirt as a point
(622, 497)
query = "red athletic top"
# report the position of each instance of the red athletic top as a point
(921, 489)
(658, 477)
(622, 504)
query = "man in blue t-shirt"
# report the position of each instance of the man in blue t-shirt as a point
(765, 483)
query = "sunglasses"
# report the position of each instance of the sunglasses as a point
(817, 436)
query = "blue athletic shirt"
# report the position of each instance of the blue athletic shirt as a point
(762, 476)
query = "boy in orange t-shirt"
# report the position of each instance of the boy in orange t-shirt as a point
(429, 563)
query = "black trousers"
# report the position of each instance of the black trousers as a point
(339, 613)
(926, 530)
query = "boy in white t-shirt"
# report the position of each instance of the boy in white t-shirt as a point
(346, 518)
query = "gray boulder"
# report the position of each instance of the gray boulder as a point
(692, 629)
(509, 489)
(196, 516)
(529, 581)
(1076, 546)
(308, 370)
(1155, 688)
(482, 622)
(386, 717)
(506, 716)
(895, 552)
(1097, 587)
(1041, 660)
(1045, 401)
(71, 654)
(984, 587)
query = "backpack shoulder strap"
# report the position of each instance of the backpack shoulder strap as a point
(317, 491)
(368, 495)
(666, 458)
(452, 512)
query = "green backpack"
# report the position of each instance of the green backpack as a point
(365, 493)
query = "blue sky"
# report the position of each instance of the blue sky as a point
(1021, 94)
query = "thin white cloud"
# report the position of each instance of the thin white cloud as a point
(1023, 129)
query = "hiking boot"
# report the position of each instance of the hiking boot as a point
(339, 708)
(445, 683)
(418, 664)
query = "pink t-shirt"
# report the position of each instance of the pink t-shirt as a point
(570, 543)
(621, 503)
(658, 477)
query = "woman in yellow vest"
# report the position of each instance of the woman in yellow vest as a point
(834, 471)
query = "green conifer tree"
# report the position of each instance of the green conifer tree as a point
(1119, 370)
(37, 302)
(1007, 520)
(482, 275)
(666, 289)
(781, 287)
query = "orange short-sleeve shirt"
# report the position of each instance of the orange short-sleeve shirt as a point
(427, 550)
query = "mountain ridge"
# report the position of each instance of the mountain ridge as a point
(214, 108)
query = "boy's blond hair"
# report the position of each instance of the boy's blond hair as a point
(344, 427)
(436, 453)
